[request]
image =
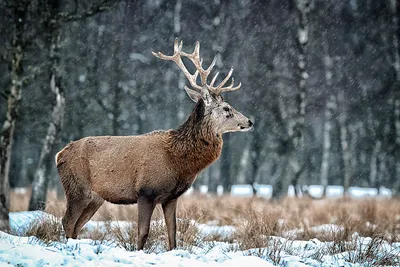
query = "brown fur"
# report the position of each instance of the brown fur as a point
(149, 169)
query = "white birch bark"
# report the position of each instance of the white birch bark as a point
(41, 178)
(396, 91)
(326, 145)
(19, 9)
(344, 143)
(373, 177)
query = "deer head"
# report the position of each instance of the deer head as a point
(219, 113)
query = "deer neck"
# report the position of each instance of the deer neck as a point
(195, 144)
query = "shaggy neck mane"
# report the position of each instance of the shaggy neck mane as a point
(195, 144)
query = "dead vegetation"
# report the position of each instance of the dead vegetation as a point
(46, 229)
(338, 222)
(295, 218)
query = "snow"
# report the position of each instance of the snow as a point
(316, 229)
(335, 191)
(30, 251)
(332, 191)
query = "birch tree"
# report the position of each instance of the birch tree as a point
(395, 10)
(53, 20)
(295, 126)
(326, 141)
(344, 142)
(19, 11)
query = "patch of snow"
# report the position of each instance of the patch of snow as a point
(17, 251)
(20, 190)
(246, 190)
(316, 229)
(224, 231)
(243, 190)
(332, 191)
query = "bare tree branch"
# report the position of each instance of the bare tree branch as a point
(3, 57)
(103, 5)
(76, 2)
(102, 105)
(4, 95)
(33, 73)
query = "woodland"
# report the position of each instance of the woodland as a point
(320, 80)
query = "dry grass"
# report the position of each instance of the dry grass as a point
(368, 252)
(256, 219)
(47, 229)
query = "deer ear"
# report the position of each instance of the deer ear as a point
(195, 96)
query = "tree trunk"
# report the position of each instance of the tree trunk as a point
(213, 180)
(373, 177)
(280, 188)
(293, 145)
(326, 145)
(117, 92)
(255, 159)
(41, 178)
(296, 154)
(7, 134)
(226, 175)
(395, 8)
(13, 101)
(344, 144)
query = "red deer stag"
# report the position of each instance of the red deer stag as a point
(154, 168)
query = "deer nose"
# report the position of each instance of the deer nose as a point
(250, 123)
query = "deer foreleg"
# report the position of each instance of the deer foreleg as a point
(145, 210)
(169, 209)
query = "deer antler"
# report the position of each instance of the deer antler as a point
(204, 73)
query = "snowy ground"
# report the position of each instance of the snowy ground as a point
(29, 251)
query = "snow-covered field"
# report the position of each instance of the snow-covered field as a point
(30, 251)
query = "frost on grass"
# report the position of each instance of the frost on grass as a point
(113, 243)
(290, 232)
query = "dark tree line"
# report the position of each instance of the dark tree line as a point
(320, 80)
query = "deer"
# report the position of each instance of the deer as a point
(153, 168)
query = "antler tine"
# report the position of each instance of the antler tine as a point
(197, 49)
(230, 87)
(179, 48)
(176, 57)
(220, 88)
(226, 79)
(208, 70)
(213, 80)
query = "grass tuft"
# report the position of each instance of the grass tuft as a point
(47, 229)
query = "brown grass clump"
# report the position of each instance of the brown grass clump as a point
(46, 228)
(126, 237)
(371, 252)
(254, 232)
(256, 218)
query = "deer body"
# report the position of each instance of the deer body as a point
(150, 169)
(160, 165)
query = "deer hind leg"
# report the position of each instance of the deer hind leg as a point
(88, 213)
(78, 198)
(145, 210)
